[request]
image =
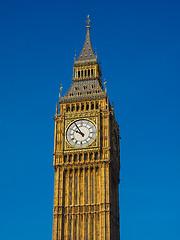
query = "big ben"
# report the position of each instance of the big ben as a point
(86, 156)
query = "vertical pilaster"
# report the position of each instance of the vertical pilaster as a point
(83, 227)
(78, 226)
(103, 198)
(89, 185)
(73, 187)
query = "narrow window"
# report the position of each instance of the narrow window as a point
(70, 230)
(79, 74)
(92, 106)
(75, 157)
(85, 73)
(76, 190)
(87, 106)
(92, 229)
(92, 189)
(85, 157)
(76, 230)
(80, 157)
(82, 73)
(86, 229)
(88, 73)
(91, 72)
(87, 191)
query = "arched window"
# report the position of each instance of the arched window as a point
(85, 73)
(65, 158)
(96, 156)
(82, 73)
(97, 105)
(85, 157)
(88, 73)
(92, 72)
(79, 74)
(68, 108)
(87, 106)
(82, 106)
(73, 108)
(90, 156)
(70, 158)
(80, 157)
(77, 107)
(92, 106)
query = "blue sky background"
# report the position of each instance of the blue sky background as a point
(138, 44)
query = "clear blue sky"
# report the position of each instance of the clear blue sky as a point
(138, 44)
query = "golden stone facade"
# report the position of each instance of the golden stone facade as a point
(86, 157)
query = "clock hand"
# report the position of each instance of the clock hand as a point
(82, 134)
(79, 130)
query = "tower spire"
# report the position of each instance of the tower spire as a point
(87, 53)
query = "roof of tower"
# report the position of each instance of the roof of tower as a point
(87, 53)
(84, 89)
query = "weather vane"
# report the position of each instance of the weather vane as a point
(88, 22)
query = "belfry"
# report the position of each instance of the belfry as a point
(86, 156)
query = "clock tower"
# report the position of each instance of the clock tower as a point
(86, 156)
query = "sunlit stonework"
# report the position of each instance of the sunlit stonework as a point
(86, 157)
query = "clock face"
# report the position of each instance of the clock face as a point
(81, 133)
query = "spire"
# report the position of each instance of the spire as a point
(87, 53)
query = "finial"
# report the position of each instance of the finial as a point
(112, 106)
(88, 22)
(105, 85)
(56, 108)
(75, 56)
(60, 94)
(96, 51)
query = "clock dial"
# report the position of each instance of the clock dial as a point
(81, 133)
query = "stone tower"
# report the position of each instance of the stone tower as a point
(86, 157)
